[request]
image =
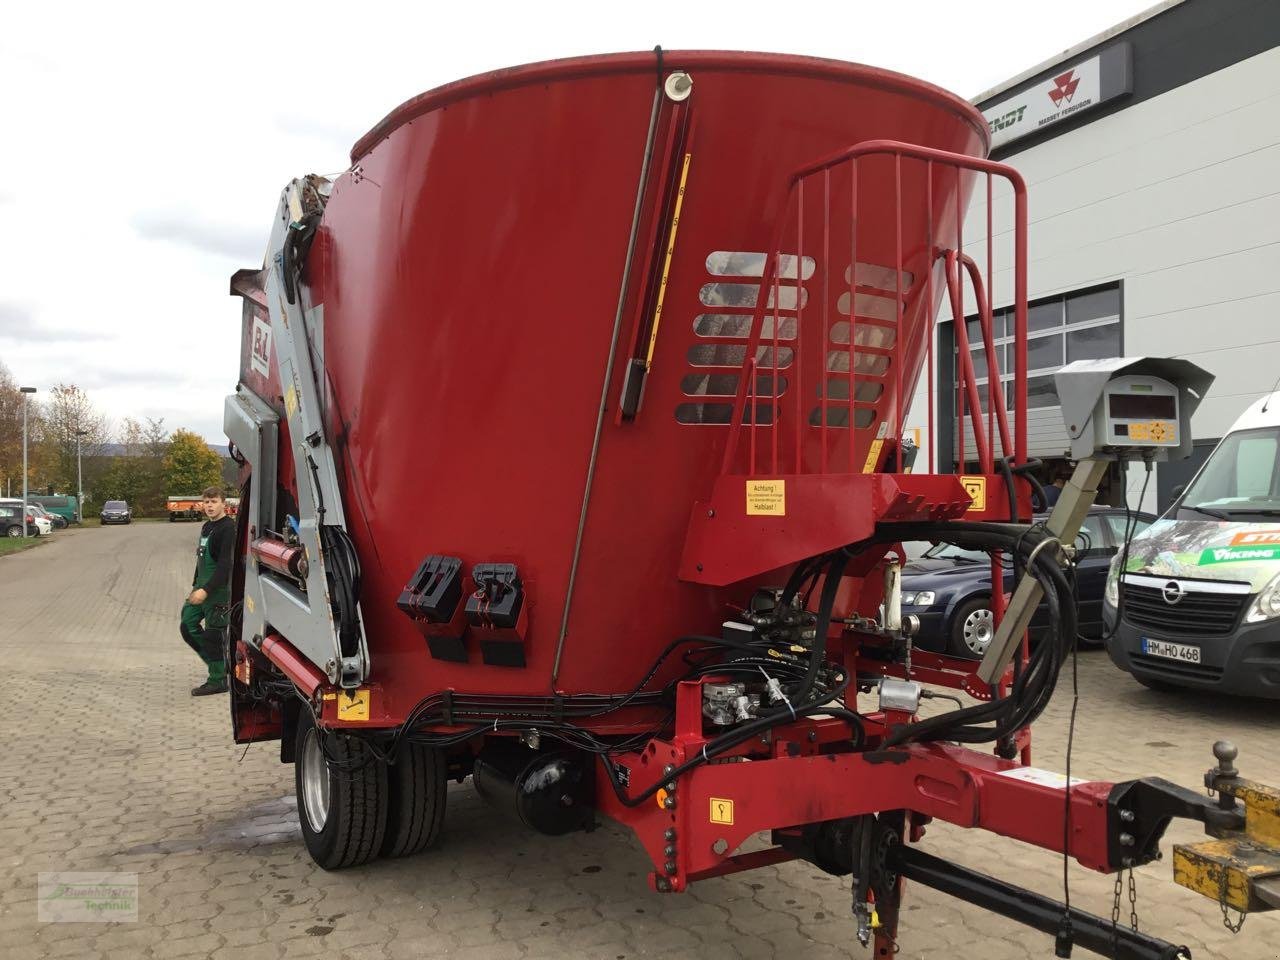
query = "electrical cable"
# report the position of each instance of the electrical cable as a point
(1131, 523)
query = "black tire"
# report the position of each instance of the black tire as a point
(342, 822)
(14, 531)
(963, 635)
(416, 794)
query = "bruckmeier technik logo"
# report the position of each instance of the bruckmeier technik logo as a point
(87, 897)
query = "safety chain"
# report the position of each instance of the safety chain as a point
(1133, 902)
(1225, 907)
(1115, 905)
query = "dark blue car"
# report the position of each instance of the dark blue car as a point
(949, 588)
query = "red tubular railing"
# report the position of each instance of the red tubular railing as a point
(768, 301)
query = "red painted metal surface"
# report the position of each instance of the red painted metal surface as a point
(280, 557)
(944, 782)
(470, 267)
(305, 675)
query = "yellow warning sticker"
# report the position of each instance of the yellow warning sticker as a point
(354, 704)
(248, 604)
(976, 488)
(290, 401)
(1154, 431)
(766, 498)
(721, 811)
(873, 455)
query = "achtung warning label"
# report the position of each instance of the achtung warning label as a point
(766, 498)
(976, 488)
(721, 811)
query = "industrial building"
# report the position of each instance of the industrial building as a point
(1151, 155)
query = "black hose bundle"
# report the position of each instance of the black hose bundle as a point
(342, 567)
(1033, 687)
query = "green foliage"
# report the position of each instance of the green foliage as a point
(138, 474)
(190, 465)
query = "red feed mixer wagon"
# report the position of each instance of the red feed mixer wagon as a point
(569, 425)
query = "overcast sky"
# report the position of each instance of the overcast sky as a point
(145, 145)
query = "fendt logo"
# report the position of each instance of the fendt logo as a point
(1064, 87)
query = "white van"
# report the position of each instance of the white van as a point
(1199, 602)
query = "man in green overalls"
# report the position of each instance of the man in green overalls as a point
(204, 615)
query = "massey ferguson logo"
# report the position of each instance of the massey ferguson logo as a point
(1064, 87)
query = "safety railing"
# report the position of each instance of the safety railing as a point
(862, 396)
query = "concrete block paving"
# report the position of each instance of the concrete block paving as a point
(111, 765)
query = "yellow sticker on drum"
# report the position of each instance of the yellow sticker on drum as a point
(766, 498)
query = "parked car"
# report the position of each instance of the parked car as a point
(59, 505)
(949, 588)
(59, 522)
(116, 511)
(11, 521)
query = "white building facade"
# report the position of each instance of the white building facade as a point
(1154, 217)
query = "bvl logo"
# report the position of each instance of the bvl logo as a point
(1064, 88)
(260, 347)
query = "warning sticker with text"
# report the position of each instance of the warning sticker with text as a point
(766, 498)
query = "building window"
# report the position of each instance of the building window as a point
(1061, 329)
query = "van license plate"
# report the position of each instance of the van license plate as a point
(1171, 651)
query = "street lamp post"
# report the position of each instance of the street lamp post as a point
(25, 391)
(79, 480)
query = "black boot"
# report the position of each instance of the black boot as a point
(209, 687)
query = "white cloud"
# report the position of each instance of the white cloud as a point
(148, 144)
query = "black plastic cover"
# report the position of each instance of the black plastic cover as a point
(434, 590)
(498, 597)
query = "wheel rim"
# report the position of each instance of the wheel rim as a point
(15, 531)
(315, 782)
(977, 630)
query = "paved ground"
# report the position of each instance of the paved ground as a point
(108, 764)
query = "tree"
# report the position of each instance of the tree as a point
(67, 410)
(132, 477)
(190, 465)
(10, 431)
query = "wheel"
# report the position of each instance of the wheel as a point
(172, 518)
(343, 810)
(972, 627)
(14, 531)
(416, 793)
